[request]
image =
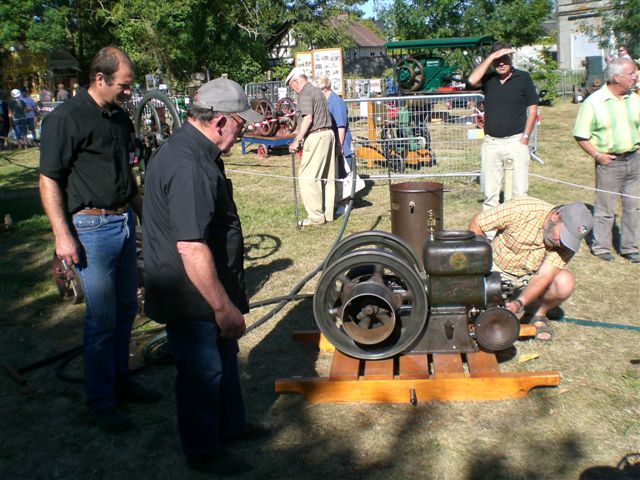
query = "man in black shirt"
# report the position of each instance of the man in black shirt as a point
(194, 275)
(88, 193)
(511, 107)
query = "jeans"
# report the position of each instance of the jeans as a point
(109, 277)
(208, 394)
(621, 175)
(20, 128)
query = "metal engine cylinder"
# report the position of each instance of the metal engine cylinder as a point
(413, 204)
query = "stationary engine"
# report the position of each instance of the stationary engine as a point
(377, 298)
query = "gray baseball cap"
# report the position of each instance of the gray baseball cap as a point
(226, 96)
(577, 222)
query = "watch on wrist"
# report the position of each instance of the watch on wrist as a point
(525, 135)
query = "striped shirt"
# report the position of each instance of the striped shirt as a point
(612, 125)
(518, 248)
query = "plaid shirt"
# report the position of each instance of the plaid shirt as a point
(518, 248)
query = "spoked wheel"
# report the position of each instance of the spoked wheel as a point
(67, 281)
(155, 120)
(370, 305)
(285, 111)
(265, 108)
(410, 74)
(376, 240)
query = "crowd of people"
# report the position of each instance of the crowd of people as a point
(193, 240)
(21, 113)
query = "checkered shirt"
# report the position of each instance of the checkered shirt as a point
(518, 248)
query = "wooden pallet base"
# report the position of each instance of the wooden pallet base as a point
(414, 378)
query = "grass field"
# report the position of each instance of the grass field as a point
(581, 429)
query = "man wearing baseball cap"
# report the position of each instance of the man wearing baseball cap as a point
(534, 243)
(193, 256)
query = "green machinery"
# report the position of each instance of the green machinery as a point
(425, 66)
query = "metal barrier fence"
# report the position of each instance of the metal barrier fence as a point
(437, 135)
(268, 90)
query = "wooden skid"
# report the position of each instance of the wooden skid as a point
(415, 377)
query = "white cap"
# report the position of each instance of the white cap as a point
(296, 72)
(15, 93)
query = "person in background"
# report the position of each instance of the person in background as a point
(62, 94)
(4, 119)
(194, 270)
(45, 94)
(608, 129)
(340, 125)
(90, 195)
(18, 116)
(31, 114)
(511, 108)
(532, 247)
(318, 166)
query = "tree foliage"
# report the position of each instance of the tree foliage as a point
(518, 22)
(174, 37)
(620, 20)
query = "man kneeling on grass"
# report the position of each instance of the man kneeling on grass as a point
(532, 247)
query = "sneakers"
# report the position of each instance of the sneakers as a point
(222, 464)
(137, 393)
(632, 257)
(606, 256)
(111, 420)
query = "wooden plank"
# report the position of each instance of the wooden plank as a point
(508, 385)
(378, 369)
(313, 336)
(344, 367)
(447, 365)
(527, 330)
(414, 366)
(482, 364)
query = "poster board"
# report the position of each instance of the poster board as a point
(325, 61)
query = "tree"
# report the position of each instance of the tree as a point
(620, 22)
(518, 22)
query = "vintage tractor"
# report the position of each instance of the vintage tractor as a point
(425, 66)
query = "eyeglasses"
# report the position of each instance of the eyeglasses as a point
(239, 120)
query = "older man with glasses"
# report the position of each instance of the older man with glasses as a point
(510, 111)
(608, 129)
(193, 256)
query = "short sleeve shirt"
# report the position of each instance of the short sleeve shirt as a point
(340, 119)
(91, 151)
(188, 197)
(505, 104)
(518, 247)
(612, 125)
(313, 102)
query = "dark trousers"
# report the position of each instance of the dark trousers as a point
(208, 395)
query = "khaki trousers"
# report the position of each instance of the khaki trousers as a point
(495, 154)
(317, 176)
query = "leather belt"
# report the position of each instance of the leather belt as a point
(625, 154)
(103, 211)
(320, 130)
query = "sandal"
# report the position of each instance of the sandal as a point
(544, 331)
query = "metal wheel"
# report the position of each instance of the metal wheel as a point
(370, 305)
(410, 74)
(66, 280)
(285, 111)
(265, 108)
(156, 118)
(376, 240)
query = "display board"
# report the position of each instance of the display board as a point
(325, 61)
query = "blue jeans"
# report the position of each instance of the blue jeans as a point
(208, 394)
(20, 128)
(109, 278)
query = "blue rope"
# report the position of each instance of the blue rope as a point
(590, 323)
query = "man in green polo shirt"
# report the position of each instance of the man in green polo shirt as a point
(608, 129)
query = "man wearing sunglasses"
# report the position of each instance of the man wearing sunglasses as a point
(194, 275)
(511, 107)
